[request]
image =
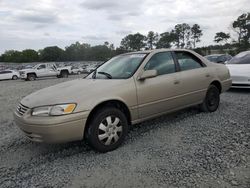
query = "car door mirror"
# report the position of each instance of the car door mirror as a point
(148, 74)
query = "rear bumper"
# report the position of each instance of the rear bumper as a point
(226, 84)
(56, 130)
(240, 85)
(241, 82)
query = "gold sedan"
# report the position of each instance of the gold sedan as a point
(127, 89)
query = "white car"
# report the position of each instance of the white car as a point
(45, 70)
(9, 75)
(239, 67)
(77, 70)
(91, 68)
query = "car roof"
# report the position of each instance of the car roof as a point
(158, 50)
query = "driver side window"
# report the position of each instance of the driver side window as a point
(162, 62)
(41, 67)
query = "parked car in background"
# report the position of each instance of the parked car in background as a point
(9, 75)
(76, 70)
(239, 67)
(45, 70)
(127, 89)
(219, 58)
(90, 68)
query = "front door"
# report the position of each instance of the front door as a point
(41, 70)
(157, 95)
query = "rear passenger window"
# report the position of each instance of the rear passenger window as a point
(162, 62)
(187, 61)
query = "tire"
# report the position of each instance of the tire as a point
(107, 130)
(31, 77)
(64, 74)
(212, 100)
(14, 77)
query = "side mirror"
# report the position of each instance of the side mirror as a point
(148, 74)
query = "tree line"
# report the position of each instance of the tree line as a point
(181, 36)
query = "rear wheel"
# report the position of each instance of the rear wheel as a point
(64, 74)
(31, 77)
(212, 100)
(107, 129)
(14, 77)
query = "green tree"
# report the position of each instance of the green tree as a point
(12, 56)
(51, 53)
(182, 35)
(221, 37)
(133, 42)
(196, 34)
(241, 28)
(99, 53)
(29, 55)
(166, 39)
(77, 51)
(152, 39)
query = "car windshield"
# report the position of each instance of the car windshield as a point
(212, 58)
(119, 67)
(241, 58)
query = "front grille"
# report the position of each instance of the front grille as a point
(21, 109)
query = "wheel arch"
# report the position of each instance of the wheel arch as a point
(32, 73)
(217, 84)
(64, 70)
(109, 103)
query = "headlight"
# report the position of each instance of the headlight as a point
(56, 110)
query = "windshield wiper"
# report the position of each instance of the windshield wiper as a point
(94, 74)
(106, 74)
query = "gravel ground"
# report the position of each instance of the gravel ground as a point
(183, 149)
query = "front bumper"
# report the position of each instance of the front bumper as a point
(57, 129)
(23, 76)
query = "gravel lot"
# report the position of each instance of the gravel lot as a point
(183, 149)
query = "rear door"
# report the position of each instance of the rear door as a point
(51, 70)
(9, 74)
(193, 77)
(2, 75)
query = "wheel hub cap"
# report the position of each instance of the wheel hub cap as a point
(110, 130)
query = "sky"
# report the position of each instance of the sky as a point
(29, 24)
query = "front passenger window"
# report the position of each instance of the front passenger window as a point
(162, 62)
(187, 61)
(41, 67)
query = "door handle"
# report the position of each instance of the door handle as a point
(207, 75)
(176, 82)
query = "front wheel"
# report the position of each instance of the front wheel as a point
(107, 130)
(31, 77)
(212, 100)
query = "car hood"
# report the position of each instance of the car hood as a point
(84, 92)
(26, 70)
